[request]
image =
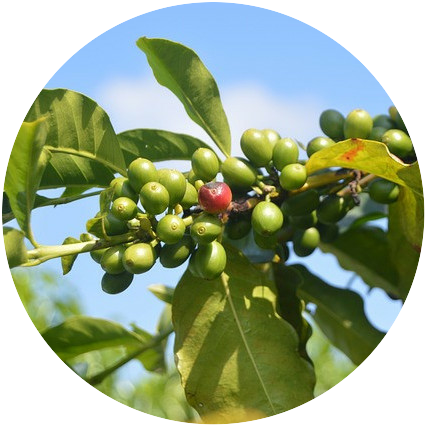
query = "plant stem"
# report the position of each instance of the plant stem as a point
(362, 182)
(98, 378)
(47, 252)
(323, 180)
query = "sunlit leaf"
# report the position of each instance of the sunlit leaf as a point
(180, 70)
(16, 252)
(232, 349)
(83, 143)
(25, 168)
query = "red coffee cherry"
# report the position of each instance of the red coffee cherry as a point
(214, 197)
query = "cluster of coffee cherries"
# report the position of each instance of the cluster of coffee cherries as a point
(291, 211)
(175, 217)
(167, 215)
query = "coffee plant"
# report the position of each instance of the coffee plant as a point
(239, 310)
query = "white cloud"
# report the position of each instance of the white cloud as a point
(143, 103)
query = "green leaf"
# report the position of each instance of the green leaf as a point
(289, 306)
(68, 260)
(232, 349)
(157, 145)
(405, 230)
(162, 292)
(374, 157)
(153, 359)
(16, 252)
(24, 170)
(180, 70)
(96, 226)
(83, 143)
(340, 315)
(368, 156)
(82, 334)
(365, 250)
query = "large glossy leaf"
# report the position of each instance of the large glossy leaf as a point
(157, 145)
(233, 351)
(27, 162)
(83, 144)
(180, 70)
(340, 315)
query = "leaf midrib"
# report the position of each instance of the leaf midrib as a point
(88, 155)
(224, 280)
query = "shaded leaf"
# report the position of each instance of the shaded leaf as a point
(180, 70)
(340, 315)
(82, 334)
(289, 306)
(232, 349)
(157, 145)
(153, 359)
(365, 250)
(68, 261)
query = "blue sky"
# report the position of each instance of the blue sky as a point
(272, 71)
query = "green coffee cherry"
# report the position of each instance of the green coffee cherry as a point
(384, 121)
(124, 208)
(205, 164)
(154, 198)
(304, 221)
(377, 133)
(301, 204)
(122, 187)
(238, 228)
(306, 241)
(210, 260)
(272, 136)
(398, 142)
(111, 261)
(332, 124)
(317, 144)
(191, 177)
(141, 171)
(116, 283)
(399, 122)
(97, 254)
(114, 226)
(170, 228)
(139, 258)
(384, 191)
(332, 209)
(175, 255)
(175, 183)
(238, 173)
(257, 147)
(293, 176)
(265, 242)
(206, 228)
(358, 124)
(190, 196)
(285, 152)
(266, 218)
